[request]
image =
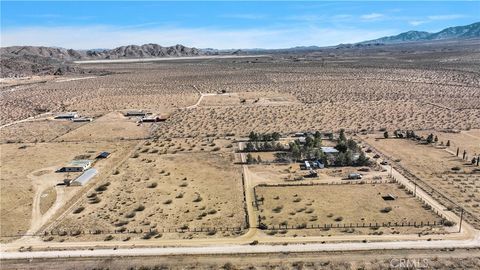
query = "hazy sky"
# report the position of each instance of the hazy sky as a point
(85, 25)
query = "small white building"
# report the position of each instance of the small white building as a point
(77, 166)
(82, 119)
(329, 150)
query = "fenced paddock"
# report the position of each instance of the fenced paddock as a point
(341, 205)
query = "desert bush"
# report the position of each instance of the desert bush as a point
(130, 215)
(78, 210)
(108, 238)
(169, 201)
(140, 208)
(386, 209)
(338, 219)
(277, 209)
(152, 185)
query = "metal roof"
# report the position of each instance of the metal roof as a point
(80, 163)
(329, 150)
(86, 176)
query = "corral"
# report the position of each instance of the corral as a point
(353, 206)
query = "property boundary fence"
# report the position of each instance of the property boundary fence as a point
(135, 231)
(354, 225)
(427, 187)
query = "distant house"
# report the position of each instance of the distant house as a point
(103, 155)
(84, 178)
(389, 197)
(299, 134)
(328, 150)
(77, 166)
(154, 119)
(82, 119)
(136, 113)
(67, 115)
(302, 140)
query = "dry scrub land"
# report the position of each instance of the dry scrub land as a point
(320, 205)
(433, 165)
(162, 192)
(28, 171)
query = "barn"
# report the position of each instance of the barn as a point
(84, 178)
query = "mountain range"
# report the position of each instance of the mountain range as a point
(456, 32)
(29, 60)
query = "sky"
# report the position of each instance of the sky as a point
(222, 25)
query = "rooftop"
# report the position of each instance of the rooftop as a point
(80, 162)
(329, 150)
(86, 176)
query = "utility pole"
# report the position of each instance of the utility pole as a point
(461, 220)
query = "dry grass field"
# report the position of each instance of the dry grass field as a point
(113, 126)
(155, 191)
(43, 130)
(434, 166)
(304, 206)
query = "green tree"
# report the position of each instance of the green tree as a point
(362, 159)
(250, 159)
(430, 138)
(448, 143)
(276, 136)
(341, 136)
(253, 136)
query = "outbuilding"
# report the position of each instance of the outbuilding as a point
(136, 113)
(67, 115)
(328, 150)
(84, 178)
(103, 155)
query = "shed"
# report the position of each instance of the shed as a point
(82, 119)
(67, 115)
(354, 176)
(84, 178)
(103, 155)
(389, 197)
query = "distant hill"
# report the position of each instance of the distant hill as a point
(31, 60)
(457, 32)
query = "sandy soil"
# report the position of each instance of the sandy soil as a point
(433, 165)
(28, 171)
(323, 204)
(193, 191)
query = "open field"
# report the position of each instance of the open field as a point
(155, 191)
(369, 260)
(434, 166)
(304, 206)
(112, 126)
(42, 130)
(28, 172)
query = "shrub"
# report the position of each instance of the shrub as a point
(338, 219)
(152, 185)
(277, 209)
(140, 208)
(78, 210)
(167, 201)
(386, 209)
(108, 238)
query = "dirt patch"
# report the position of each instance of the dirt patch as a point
(47, 199)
